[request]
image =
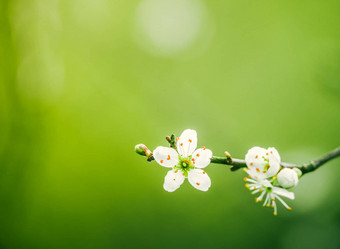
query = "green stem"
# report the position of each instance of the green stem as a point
(313, 165)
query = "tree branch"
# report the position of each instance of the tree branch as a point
(239, 163)
(305, 167)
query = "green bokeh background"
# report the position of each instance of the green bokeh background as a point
(81, 83)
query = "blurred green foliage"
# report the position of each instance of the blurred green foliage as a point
(82, 82)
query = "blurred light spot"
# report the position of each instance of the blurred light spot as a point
(169, 26)
(36, 31)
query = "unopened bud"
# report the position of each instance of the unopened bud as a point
(287, 178)
(298, 172)
(141, 149)
(227, 154)
(229, 161)
(172, 140)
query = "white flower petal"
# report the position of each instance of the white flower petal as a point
(166, 157)
(274, 161)
(265, 183)
(257, 158)
(283, 192)
(275, 153)
(173, 180)
(274, 167)
(199, 179)
(201, 157)
(187, 143)
(254, 153)
(256, 162)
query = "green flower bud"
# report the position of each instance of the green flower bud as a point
(227, 154)
(141, 149)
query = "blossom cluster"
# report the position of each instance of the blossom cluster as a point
(267, 177)
(265, 174)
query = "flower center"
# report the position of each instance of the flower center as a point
(185, 165)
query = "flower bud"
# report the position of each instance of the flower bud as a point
(227, 154)
(298, 172)
(171, 139)
(287, 178)
(141, 149)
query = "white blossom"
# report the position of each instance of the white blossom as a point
(263, 166)
(262, 163)
(185, 162)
